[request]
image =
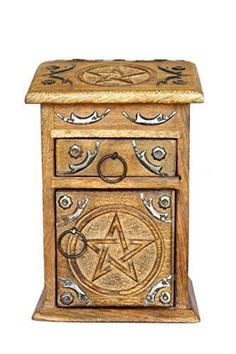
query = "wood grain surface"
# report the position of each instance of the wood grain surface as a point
(124, 148)
(182, 211)
(189, 314)
(116, 118)
(128, 249)
(127, 183)
(127, 252)
(76, 81)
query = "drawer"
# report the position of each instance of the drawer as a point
(113, 159)
(115, 248)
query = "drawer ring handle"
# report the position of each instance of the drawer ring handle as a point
(76, 233)
(113, 156)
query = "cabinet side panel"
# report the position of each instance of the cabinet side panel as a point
(48, 203)
(182, 210)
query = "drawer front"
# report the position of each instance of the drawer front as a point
(115, 248)
(113, 159)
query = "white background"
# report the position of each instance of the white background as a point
(199, 31)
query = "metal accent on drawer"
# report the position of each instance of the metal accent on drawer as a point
(163, 283)
(79, 235)
(158, 119)
(67, 219)
(113, 156)
(75, 151)
(148, 203)
(158, 153)
(142, 157)
(89, 158)
(71, 285)
(75, 119)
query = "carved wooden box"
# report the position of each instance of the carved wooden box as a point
(115, 145)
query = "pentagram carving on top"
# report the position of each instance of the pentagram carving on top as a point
(115, 75)
(95, 81)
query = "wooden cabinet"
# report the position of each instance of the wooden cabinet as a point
(115, 148)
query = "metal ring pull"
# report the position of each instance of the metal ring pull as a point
(76, 233)
(113, 156)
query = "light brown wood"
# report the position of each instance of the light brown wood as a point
(48, 204)
(182, 211)
(127, 251)
(181, 295)
(93, 133)
(116, 117)
(76, 81)
(128, 182)
(124, 148)
(164, 315)
(132, 240)
(107, 126)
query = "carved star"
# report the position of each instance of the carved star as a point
(116, 74)
(125, 250)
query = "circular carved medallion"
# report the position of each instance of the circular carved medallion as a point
(115, 75)
(124, 250)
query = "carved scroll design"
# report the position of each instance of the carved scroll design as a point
(142, 157)
(158, 119)
(175, 75)
(80, 293)
(75, 119)
(148, 203)
(53, 74)
(163, 283)
(81, 205)
(77, 167)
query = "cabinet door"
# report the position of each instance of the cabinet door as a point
(115, 248)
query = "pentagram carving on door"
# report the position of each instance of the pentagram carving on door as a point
(115, 248)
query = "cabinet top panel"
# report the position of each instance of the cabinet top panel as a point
(117, 81)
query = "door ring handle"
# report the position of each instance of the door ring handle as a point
(79, 235)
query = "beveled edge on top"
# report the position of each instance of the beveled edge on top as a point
(167, 93)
